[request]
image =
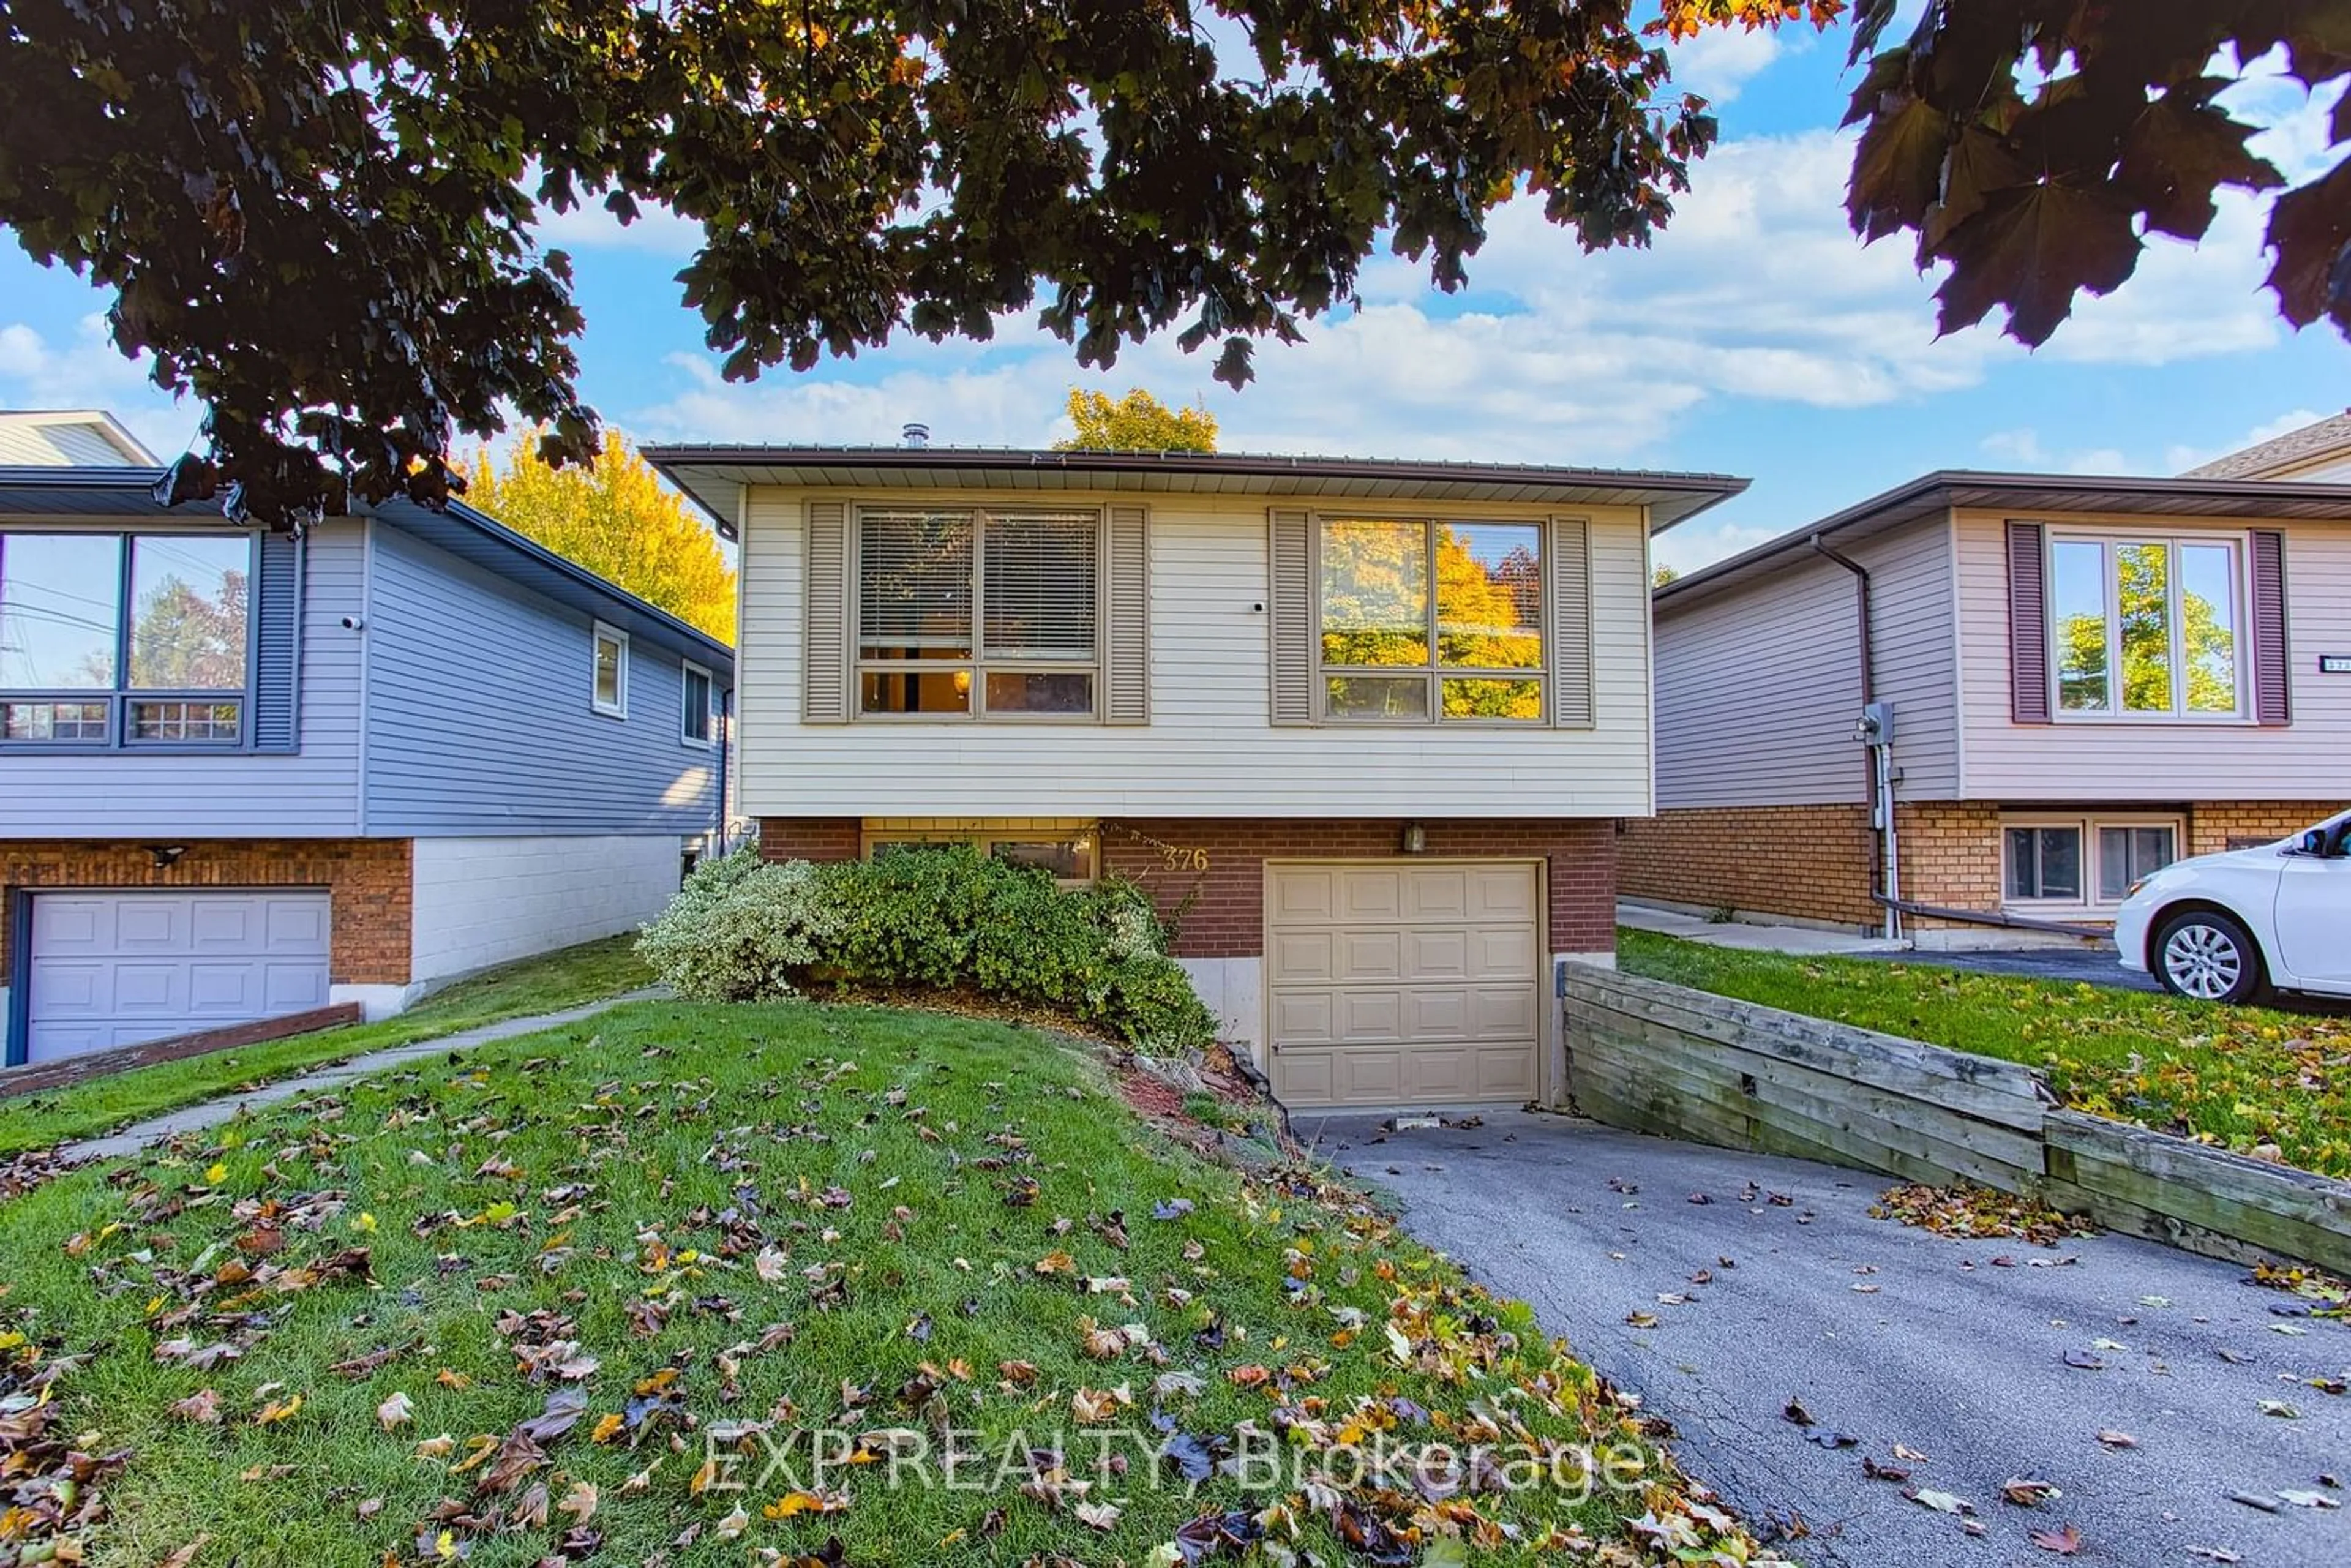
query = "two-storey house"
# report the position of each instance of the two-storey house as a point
(2001, 696)
(1364, 729)
(246, 773)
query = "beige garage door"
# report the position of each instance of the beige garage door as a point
(1403, 982)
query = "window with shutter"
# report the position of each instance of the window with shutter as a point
(2136, 626)
(969, 613)
(1424, 620)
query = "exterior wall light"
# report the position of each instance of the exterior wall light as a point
(1415, 838)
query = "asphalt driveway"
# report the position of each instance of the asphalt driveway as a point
(1886, 1335)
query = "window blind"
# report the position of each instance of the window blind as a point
(1038, 586)
(913, 583)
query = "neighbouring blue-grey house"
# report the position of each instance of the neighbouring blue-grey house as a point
(245, 774)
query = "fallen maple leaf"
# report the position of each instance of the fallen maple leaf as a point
(2064, 1542)
(579, 1502)
(393, 1412)
(202, 1407)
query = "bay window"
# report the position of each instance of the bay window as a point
(115, 639)
(2146, 628)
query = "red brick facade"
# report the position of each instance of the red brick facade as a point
(810, 838)
(1212, 874)
(367, 880)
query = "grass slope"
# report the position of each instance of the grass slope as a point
(2237, 1076)
(548, 983)
(803, 1216)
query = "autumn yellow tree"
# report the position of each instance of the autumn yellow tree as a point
(1137, 423)
(614, 517)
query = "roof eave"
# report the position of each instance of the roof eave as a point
(1687, 495)
(1948, 488)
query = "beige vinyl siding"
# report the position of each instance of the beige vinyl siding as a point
(1210, 748)
(2138, 760)
(1759, 686)
(57, 444)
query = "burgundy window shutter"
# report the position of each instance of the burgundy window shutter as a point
(2273, 661)
(2028, 625)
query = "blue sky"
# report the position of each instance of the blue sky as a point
(1758, 338)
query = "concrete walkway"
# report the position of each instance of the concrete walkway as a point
(1957, 1350)
(212, 1112)
(1803, 940)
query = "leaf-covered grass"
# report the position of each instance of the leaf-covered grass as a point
(550, 982)
(802, 1215)
(2241, 1077)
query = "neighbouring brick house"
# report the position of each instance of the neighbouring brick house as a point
(246, 774)
(2082, 679)
(1364, 730)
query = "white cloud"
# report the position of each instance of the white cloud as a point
(1719, 61)
(2024, 450)
(88, 372)
(1701, 543)
(1757, 290)
(2178, 459)
(657, 231)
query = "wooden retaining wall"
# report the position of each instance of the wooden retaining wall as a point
(1690, 1064)
(39, 1077)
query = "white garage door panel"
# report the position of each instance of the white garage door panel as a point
(115, 969)
(1397, 983)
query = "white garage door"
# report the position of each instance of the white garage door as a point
(1403, 982)
(115, 969)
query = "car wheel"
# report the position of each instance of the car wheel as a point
(2209, 955)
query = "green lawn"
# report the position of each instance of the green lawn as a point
(2239, 1076)
(688, 1221)
(548, 983)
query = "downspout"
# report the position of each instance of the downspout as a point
(726, 743)
(1885, 882)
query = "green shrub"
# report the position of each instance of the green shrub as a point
(936, 916)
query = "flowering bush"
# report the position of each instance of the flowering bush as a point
(934, 916)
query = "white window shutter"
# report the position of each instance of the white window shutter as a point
(824, 669)
(1289, 615)
(1570, 623)
(1126, 612)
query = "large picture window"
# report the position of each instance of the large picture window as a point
(112, 639)
(2146, 628)
(1424, 622)
(979, 615)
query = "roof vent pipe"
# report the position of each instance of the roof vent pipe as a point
(914, 436)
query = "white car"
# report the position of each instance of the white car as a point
(2227, 927)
